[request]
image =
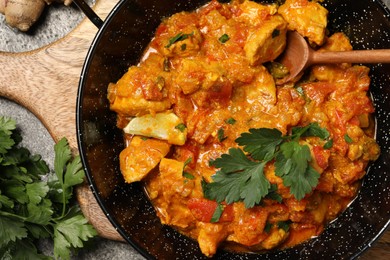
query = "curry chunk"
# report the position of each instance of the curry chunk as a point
(254, 13)
(210, 236)
(140, 157)
(170, 187)
(268, 42)
(308, 18)
(166, 126)
(138, 93)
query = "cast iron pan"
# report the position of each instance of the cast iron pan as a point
(120, 43)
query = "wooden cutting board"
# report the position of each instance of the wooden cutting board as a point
(45, 81)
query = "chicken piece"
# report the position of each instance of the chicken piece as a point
(307, 18)
(254, 13)
(210, 236)
(166, 126)
(141, 90)
(194, 74)
(184, 44)
(276, 237)
(170, 187)
(140, 157)
(267, 42)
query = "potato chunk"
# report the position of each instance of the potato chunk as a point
(165, 126)
(140, 157)
(307, 18)
(268, 42)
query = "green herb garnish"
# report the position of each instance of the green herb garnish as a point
(35, 204)
(179, 37)
(230, 121)
(224, 38)
(187, 174)
(221, 134)
(277, 70)
(181, 127)
(348, 139)
(241, 176)
(268, 227)
(285, 225)
(328, 144)
(217, 213)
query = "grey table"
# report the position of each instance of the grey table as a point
(56, 22)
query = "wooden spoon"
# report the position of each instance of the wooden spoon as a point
(298, 56)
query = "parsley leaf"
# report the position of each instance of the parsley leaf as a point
(292, 164)
(217, 213)
(241, 176)
(261, 143)
(238, 179)
(70, 232)
(35, 203)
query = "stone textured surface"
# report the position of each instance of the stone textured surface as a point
(55, 22)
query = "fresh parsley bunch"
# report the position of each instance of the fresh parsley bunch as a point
(35, 204)
(241, 175)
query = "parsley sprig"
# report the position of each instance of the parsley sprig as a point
(35, 204)
(241, 175)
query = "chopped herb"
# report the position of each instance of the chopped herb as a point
(348, 139)
(144, 138)
(187, 162)
(181, 127)
(217, 213)
(188, 175)
(277, 70)
(183, 47)
(328, 144)
(285, 225)
(230, 121)
(166, 66)
(224, 38)
(221, 134)
(275, 33)
(267, 227)
(241, 176)
(160, 82)
(179, 37)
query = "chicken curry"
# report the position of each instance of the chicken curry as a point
(227, 156)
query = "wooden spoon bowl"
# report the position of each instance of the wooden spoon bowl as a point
(298, 56)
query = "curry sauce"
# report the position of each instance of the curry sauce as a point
(203, 81)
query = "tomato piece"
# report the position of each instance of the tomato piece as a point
(203, 210)
(186, 152)
(321, 156)
(319, 91)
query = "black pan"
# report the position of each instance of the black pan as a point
(120, 43)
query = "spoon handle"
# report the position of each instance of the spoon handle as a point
(356, 56)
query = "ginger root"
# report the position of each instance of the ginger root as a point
(22, 14)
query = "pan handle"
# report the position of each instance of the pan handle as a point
(92, 16)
